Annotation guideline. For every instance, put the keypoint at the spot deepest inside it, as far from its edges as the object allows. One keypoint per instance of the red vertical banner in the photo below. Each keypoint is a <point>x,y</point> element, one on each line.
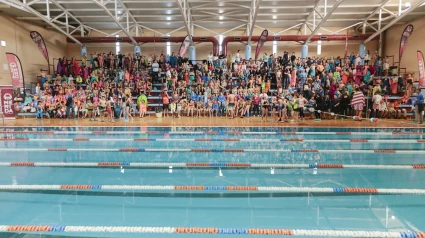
<point>6,101</point>
<point>183,47</point>
<point>421,69</point>
<point>15,68</point>
<point>260,43</point>
<point>39,41</point>
<point>408,30</point>
<point>346,45</point>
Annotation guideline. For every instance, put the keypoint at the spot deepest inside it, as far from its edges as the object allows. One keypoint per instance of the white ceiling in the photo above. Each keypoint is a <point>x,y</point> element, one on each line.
<point>210,14</point>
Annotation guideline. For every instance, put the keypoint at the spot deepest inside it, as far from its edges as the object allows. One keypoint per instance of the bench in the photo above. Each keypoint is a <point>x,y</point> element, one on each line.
<point>31,114</point>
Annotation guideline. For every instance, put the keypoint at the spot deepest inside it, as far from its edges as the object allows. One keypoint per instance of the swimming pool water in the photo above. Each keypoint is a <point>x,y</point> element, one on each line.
<point>226,209</point>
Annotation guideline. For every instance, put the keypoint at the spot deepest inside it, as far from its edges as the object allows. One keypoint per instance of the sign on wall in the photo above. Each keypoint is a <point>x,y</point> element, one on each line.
<point>6,101</point>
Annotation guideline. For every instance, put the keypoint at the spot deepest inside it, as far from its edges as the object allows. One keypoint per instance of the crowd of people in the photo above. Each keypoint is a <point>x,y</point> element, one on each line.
<point>283,88</point>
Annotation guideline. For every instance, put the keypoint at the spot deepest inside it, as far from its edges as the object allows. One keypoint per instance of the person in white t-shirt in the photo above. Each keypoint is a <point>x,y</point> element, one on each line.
<point>238,57</point>
<point>155,71</point>
<point>210,58</point>
<point>376,107</point>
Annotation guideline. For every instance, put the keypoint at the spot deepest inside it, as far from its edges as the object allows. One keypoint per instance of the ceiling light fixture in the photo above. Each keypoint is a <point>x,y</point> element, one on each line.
<point>407,5</point>
<point>221,17</point>
<point>274,16</point>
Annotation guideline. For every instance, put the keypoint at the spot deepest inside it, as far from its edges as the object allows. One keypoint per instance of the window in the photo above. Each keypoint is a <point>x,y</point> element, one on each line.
<point>220,40</point>
<point>168,48</point>
<point>3,43</point>
<point>117,46</point>
<point>319,46</point>
<point>274,47</point>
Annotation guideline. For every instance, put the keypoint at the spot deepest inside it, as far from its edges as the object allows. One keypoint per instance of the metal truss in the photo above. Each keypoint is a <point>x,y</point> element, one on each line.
<point>26,6</point>
<point>187,17</point>
<point>252,18</point>
<point>126,13</point>
<point>325,17</point>
<point>400,16</point>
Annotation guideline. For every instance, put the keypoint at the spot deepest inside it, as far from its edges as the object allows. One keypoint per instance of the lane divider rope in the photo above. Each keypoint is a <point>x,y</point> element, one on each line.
<point>208,165</point>
<point>209,230</point>
<point>208,150</point>
<point>213,140</point>
<point>212,133</point>
<point>390,191</point>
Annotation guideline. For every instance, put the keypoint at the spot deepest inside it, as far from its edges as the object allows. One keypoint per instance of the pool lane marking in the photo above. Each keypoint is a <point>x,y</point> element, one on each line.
<point>208,230</point>
<point>208,165</point>
<point>206,133</point>
<point>43,187</point>
<point>82,139</point>
<point>209,150</point>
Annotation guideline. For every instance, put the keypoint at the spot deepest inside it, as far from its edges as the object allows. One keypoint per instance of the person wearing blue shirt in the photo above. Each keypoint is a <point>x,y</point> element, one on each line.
<point>352,57</point>
<point>327,68</point>
<point>200,98</point>
<point>331,64</point>
<point>312,72</point>
<point>215,108</point>
<point>121,75</point>
<point>303,76</point>
<point>193,96</point>
<point>290,89</point>
<point>419,107</point>
<point>204,78</point>
<point>221,98</point>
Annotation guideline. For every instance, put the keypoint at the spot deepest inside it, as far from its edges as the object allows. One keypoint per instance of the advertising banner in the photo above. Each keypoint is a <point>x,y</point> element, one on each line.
<point>6,101</point>
<point>403,40</point>
<point>260,43</point>
<point>421,69</point>
<point>15,68</point>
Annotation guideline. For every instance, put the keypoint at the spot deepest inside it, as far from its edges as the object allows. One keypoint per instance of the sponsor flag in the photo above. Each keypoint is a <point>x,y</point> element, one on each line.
<point>6,101</point>
<point>183,47</point>
<point>39,41</point>
<point>421,69</point>
<point>346,45</point>
<point>260,43</point>
<point>15,68</point>
<point>408,30</point>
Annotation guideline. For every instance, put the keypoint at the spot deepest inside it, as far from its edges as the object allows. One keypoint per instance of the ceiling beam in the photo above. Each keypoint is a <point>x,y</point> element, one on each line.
<point>214,8</point>
<point>67,13</point>
<point>252,18</point>
<point>313,11</point>
<point>287,29</point>
<point>114,17</point>
<point>22,6</point>
<point>373,13</point>
<point>395,20</point>
<point>187,17</point>
<point>324,19</point>
<point>178,29</point>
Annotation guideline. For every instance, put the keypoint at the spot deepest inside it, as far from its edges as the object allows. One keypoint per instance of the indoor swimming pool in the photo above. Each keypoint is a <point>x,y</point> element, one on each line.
<point>197,182</point>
